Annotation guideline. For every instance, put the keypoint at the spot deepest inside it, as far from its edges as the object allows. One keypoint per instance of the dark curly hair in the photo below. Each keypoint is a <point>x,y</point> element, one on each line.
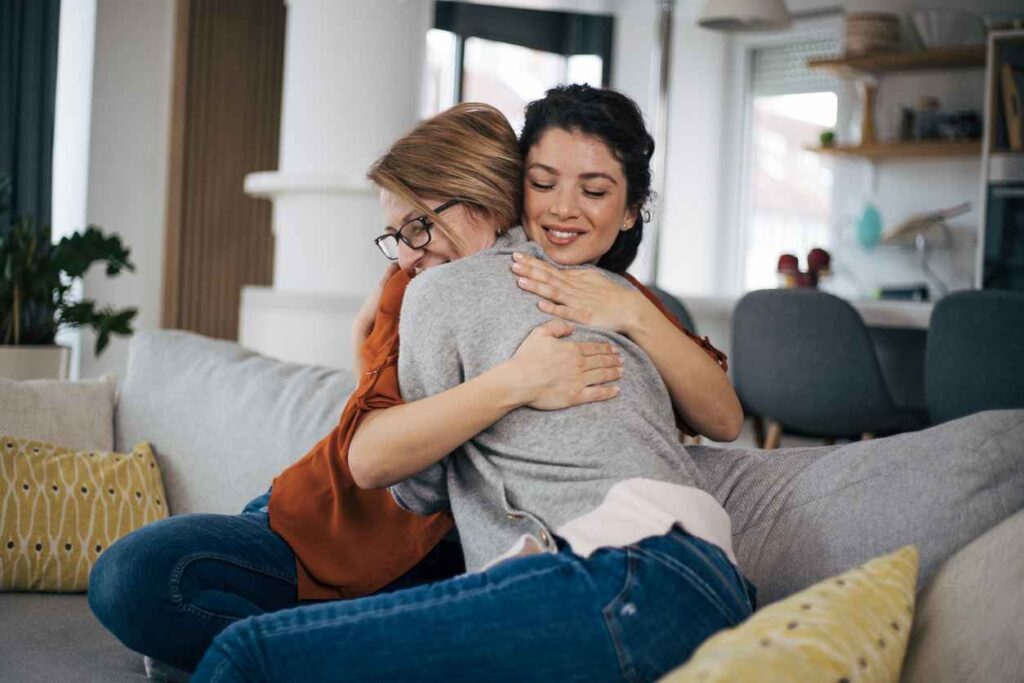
<point>616,120</point>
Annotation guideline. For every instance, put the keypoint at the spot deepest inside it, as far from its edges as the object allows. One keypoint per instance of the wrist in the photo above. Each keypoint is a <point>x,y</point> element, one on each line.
<point>639,317</point>
<point>513,389</point>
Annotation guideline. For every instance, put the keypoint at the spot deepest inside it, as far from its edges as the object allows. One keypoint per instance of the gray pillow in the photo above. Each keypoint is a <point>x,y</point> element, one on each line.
<point>802,515</point>
<point>223,421</point>
<point>76,415</point>
<point>969,621</point>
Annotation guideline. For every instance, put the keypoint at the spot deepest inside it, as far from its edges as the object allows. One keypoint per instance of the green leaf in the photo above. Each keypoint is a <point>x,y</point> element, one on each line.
<point>43,274</point>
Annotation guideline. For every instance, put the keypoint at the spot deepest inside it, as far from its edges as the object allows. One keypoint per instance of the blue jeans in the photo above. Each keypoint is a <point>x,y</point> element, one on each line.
<point>623,614</point>
<point>167,589</point>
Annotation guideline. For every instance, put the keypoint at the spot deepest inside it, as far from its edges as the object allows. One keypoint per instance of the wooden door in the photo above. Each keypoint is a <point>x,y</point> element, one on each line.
<point>225,123</point>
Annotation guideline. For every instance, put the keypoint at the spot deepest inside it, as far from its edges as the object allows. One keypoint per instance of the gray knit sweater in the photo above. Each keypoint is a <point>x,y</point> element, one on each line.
<point>533,470</point>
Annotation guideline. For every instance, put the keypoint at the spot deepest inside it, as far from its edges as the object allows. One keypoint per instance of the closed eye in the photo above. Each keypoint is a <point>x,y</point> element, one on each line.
<point>540,186</point>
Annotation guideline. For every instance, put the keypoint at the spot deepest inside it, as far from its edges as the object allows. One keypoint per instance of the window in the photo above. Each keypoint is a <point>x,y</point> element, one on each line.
<point>509,56</point>
<point>787,190</point>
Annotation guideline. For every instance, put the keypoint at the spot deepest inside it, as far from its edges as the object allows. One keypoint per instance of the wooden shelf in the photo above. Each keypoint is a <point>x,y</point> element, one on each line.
<point>972,57</point>
<point>904,150</point>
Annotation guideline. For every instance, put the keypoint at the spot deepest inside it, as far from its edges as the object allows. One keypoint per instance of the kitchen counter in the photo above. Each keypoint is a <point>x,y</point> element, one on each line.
<point>876,313</point>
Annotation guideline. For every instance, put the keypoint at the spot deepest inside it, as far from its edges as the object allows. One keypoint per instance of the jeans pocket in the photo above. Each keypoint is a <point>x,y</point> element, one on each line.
<point>663,612</point>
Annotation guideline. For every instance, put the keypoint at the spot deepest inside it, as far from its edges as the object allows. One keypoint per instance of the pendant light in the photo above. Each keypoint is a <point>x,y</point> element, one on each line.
<point>744,15</point>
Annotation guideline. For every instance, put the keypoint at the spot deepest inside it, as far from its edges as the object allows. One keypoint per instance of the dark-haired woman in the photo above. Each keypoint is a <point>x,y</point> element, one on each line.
<point>594,555</point>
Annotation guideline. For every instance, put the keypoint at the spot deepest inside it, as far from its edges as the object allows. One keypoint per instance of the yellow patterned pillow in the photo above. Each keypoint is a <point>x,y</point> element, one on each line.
<point>852,628</point>
<point>59,509</point>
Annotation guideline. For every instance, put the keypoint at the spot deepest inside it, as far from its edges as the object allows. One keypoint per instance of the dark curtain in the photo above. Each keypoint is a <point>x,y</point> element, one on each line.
<point>28,91</point>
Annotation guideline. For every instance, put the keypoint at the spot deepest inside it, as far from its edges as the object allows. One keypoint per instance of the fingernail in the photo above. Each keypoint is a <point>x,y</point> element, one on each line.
<point>621,362</point>
<point>522,280</point>
<point>516,267</point>
<point>517,256</point>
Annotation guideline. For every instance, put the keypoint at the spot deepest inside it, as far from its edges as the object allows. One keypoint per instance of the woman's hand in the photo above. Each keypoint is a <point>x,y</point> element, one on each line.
<point>556,373</point>
<point>585,295</point>
<point>363,323</point>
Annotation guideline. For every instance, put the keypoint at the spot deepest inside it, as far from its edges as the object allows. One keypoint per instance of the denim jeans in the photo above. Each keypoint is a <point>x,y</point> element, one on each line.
<point>623,614</point>
<point>167,589</point>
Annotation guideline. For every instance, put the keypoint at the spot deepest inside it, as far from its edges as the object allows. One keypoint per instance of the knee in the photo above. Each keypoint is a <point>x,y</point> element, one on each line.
<point>220,663</point>
<point>123,582</point>
<point>108,583</point>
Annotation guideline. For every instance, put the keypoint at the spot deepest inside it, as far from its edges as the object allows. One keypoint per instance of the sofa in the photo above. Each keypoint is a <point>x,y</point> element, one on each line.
<point>223,421</point>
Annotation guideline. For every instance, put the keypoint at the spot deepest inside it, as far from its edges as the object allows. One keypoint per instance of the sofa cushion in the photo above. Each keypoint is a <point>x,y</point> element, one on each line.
<point>223,421</point>
<point>66,507</point>
<point>800,515</point>
<point>52,637</point>
<point>79,415</point>
<point>970,617</point>
<point>849,627</point>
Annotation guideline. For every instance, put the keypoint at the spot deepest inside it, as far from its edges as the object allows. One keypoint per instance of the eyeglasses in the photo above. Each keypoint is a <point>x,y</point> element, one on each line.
<point>415,232</point>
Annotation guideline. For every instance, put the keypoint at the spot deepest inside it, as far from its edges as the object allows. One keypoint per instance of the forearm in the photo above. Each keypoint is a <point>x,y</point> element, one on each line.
<point>396,443</point>
<point>359,334</point>
<point>700,390</point>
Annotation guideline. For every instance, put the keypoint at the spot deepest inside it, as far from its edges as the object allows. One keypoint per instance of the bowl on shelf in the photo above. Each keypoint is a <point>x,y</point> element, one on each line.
<point>948,28</point>
<point>870,32</point>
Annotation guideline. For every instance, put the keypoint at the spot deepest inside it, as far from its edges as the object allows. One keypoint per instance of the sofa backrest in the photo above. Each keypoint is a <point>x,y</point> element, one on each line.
<point>222,420</point>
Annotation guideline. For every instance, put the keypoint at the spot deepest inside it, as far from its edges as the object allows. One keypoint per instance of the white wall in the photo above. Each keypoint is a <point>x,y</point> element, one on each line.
<point>691,227</point>
<point>128,163</point>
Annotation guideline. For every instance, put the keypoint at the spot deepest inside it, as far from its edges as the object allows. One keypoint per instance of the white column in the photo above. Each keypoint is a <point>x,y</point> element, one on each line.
<point>352,74</point>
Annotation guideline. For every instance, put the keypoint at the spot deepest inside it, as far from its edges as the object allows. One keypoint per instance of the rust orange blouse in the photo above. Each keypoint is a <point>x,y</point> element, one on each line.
<point>351,542</point>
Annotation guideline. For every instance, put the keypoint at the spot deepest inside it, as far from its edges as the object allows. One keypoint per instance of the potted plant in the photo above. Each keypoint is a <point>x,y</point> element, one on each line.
<point>36,279</point>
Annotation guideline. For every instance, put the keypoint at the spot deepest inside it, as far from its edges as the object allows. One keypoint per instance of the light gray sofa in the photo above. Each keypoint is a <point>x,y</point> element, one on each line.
<point>224,421</point>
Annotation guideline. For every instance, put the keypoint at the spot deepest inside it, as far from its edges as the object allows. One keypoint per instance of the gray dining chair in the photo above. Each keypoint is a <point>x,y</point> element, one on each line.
<point>974,359</point>
<point>804,361</point>
<point>676,307</point>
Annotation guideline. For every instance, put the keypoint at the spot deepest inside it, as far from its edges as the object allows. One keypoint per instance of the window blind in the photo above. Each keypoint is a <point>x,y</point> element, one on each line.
<point>782,69</point>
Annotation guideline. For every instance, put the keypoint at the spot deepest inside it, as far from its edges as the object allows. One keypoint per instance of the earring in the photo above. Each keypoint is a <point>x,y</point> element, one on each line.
<point>624,228</point>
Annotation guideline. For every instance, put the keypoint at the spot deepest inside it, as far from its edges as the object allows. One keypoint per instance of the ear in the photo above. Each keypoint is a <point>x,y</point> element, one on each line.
<point>629,220</point>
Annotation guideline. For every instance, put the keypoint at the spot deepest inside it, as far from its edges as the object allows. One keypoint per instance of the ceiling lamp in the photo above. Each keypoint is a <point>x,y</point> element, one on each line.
<point>744,15</point>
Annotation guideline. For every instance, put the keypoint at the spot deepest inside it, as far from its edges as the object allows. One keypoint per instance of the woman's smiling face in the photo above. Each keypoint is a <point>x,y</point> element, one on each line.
<point>574,196</point>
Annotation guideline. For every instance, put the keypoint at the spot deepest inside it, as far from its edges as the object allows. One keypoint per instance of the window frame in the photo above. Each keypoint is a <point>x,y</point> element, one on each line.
<point>556,31</point>
<point>730,273</point>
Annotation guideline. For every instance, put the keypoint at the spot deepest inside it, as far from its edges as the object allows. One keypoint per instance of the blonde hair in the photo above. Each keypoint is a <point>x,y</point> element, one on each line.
<point>469,152</point>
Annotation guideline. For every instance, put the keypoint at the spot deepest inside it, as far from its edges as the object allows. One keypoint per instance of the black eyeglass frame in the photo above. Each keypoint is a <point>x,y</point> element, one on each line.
<point>425,223</point>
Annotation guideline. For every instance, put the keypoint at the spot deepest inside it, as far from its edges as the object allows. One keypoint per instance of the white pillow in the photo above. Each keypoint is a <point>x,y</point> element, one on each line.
<point>77,415</point>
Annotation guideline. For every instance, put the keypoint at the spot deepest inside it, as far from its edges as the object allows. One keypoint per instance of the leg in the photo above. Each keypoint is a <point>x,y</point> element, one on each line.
<point>622,614</point>
<point>443,562</point>
<point>168,588</point>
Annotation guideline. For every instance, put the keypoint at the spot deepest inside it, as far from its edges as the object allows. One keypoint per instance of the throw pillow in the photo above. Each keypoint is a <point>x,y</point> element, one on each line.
<point>78,415</point>
<point>851,627</point>
<point>59,509</point>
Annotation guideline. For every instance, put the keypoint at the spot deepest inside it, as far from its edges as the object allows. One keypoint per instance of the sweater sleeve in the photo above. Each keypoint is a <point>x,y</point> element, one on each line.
<point>428,363</point>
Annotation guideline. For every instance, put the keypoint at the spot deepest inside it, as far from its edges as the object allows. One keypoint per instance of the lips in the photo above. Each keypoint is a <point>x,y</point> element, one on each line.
<point>562,236</point>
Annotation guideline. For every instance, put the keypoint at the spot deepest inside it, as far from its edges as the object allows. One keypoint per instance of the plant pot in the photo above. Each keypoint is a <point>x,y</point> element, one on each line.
<point>34,362</point>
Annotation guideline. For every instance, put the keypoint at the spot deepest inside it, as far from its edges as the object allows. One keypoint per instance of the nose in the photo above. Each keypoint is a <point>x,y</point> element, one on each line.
<point>563,203</point>
<point>407,256</point>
